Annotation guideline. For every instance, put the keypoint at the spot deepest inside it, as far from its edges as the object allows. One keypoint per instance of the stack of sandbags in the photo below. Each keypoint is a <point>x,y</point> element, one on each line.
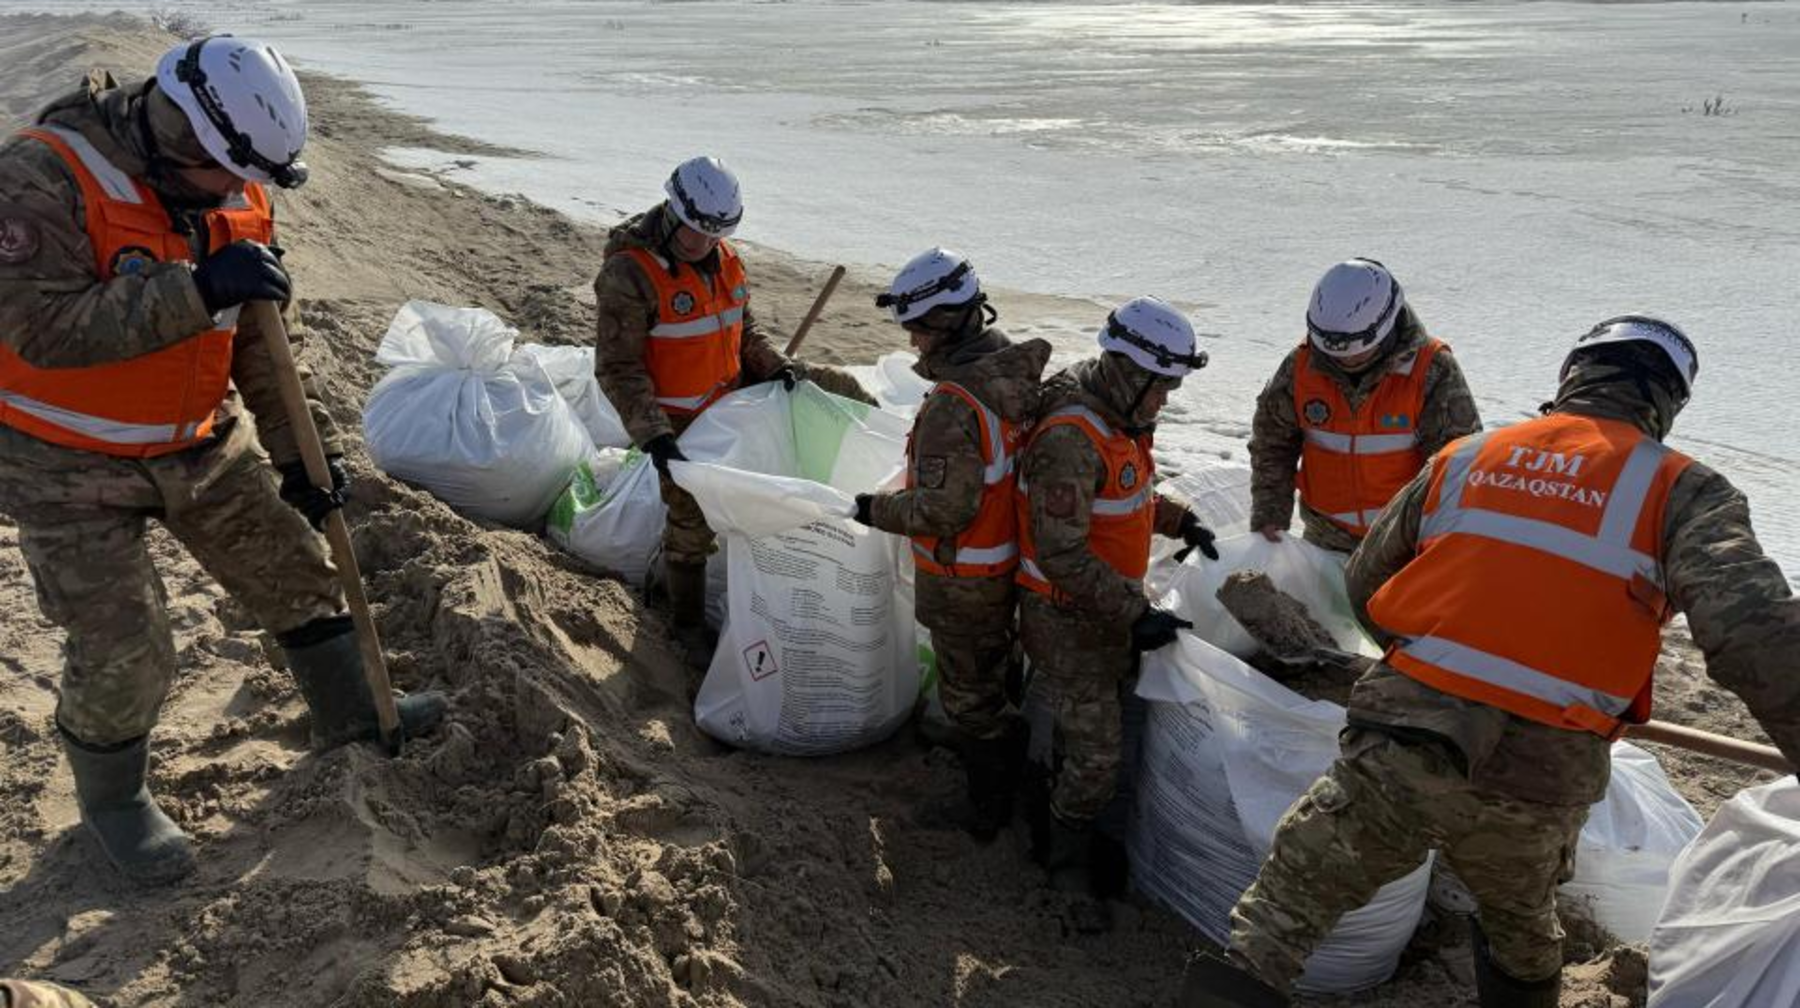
<point>481,425</point>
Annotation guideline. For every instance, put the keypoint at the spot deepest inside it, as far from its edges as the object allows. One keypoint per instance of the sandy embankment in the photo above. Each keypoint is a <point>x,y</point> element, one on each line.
<point>570,838</point>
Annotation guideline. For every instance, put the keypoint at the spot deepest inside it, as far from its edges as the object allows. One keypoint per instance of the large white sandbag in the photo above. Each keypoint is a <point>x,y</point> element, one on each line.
<point>611,514</point>
<point>897,388</point>
<point>1729,932</point>
<point>818,654</point>
<point>1631,838</point>
<point>1226,752</point>
<point>572,369</point>
<point>1313,576</point>
<point>483,430</point>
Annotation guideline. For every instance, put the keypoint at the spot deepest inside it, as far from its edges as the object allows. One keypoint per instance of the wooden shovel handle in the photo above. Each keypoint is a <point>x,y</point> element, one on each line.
<point>337,532</point>
<point>1711,744</point>
<point>812,314</point>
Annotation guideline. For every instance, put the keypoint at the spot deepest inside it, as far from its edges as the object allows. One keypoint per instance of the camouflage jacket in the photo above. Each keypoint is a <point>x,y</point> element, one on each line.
<point>1740,609</point>
<point>947,476</point>
<point>1064,473</point>
<point>55,312</point>
<point>627,310</point>
<point>1276,437</point>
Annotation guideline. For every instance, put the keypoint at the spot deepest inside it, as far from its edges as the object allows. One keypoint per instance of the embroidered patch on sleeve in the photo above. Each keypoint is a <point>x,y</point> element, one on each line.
<point>931,471</point>
<point>18,240</point>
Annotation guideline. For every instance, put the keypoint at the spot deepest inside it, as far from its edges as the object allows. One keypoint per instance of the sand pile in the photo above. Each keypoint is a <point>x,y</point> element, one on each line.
<point>569,838</point>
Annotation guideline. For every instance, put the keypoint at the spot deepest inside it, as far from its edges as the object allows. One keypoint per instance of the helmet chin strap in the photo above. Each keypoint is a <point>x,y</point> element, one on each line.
<point>1135,429</point>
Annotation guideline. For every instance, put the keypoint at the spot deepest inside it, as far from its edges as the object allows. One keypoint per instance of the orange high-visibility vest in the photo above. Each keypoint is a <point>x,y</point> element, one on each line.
<point>989,545</point>
<point>1537,587</point>
<point>1355,461</point>
<point>693,350</point>
<point>1123,515</point>
<point>152,404</point>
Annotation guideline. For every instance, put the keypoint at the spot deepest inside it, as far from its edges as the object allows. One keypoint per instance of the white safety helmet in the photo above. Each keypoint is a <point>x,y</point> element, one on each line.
<point>930,280</point>
<point>1353,309</point>
<point>1155,336</point>
<point>704,195</point>
<point>244,104</point>
<point>1643,329</point>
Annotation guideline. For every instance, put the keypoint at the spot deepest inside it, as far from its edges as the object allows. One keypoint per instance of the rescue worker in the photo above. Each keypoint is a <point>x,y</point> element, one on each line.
<point>134,226</point>
<point>1354,411</point>
<point>675,334</point>
<point>1520,583</point>
<point>958,508</point>
<point>1088,506</point>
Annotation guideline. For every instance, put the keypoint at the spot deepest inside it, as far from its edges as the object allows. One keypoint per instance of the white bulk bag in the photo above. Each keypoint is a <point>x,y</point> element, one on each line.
<point>1312,576</point>
<point>897,388</point>
<point>572,369</point>
<point>818,653</point>
<point>611,514</point>
<point>1226,752</point>
<point>1631,838</point>
<point>461,416</point>
<point>1729,933</point>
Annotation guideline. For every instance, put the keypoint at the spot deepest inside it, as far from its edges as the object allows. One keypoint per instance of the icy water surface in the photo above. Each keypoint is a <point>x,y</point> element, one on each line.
<point>1526,169</point>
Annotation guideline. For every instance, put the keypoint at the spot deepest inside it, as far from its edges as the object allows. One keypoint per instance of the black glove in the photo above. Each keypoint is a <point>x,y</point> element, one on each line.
<point>298,491</point>
<point>662,450</point>
<point>789,375</point>
<point>1156,628</point>
<point>1197,536</point>
<point>865,510</point>
<point>239,272</point>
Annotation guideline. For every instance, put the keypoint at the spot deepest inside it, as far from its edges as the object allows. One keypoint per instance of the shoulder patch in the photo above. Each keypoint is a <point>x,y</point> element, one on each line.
<point>931,471</point>
<point>1128,476</point>
<point>19,240</point>
<point>1059,500</point>
<point>1317,412</point>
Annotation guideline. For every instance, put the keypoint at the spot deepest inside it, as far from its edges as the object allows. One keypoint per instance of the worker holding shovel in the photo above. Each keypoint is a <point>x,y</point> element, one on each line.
<point>675,334</point>
<point>1520,583</point>
<point>135,234</point>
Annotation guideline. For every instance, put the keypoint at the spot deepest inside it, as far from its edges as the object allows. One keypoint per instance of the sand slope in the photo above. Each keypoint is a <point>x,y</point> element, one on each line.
<point>569,838</point>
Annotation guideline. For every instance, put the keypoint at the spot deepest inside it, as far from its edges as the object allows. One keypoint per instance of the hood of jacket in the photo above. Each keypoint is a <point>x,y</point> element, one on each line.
<point>1007,376</point>
<point>1608,386</point>
<point>123,122</point>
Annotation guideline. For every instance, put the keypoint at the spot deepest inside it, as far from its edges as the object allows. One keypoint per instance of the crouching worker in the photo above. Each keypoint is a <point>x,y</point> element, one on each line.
<point>1353,412</point>
<point>675,335</point>
<point>1520,583</point>
<point>958,508</point>
<point>1087,508</point>
<point>134,227</point>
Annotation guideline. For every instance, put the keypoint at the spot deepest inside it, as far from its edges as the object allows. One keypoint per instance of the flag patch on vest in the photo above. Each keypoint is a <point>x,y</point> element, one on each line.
<point>682,303</point>
<point>18,240</point>
<point>1318,412</point>
<point>1396,421</point>
<point>132,259</point>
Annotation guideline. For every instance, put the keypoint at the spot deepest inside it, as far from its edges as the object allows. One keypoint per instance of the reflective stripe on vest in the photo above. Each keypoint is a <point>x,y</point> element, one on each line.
<point>1353,460</point>
<point>1537,585</point>
<point>696,328</point>
<point>1119,527</point>
<point>988,546</point>
<point>158,402</point>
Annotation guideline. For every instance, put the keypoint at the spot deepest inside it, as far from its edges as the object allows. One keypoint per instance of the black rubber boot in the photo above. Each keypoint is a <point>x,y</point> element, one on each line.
<point>1212,981</point>
<point>686,583</point>
<point>1067,858</point>
<point>994,767</point>
<point>1496,988</point>
<point>327,664</point>
<point>141,841</point>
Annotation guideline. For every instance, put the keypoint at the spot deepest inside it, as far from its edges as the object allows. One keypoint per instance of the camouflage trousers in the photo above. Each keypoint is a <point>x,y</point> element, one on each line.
<point>1370,820</point>
<point>972,627</point>
<point>687,539</point>
<point>1081,665</point>
<point>82,519</point>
